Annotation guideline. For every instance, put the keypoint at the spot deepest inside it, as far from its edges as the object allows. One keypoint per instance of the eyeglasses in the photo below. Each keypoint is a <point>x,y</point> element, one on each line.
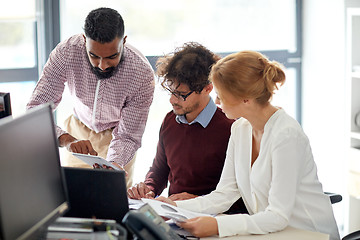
<point>177,94</point>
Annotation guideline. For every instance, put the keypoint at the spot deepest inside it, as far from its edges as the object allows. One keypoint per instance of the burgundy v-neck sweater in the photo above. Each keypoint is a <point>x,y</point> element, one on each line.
<point>190,157</point>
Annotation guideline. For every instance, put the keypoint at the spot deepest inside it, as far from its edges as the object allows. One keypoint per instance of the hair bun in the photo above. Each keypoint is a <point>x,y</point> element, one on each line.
<point>272,74</point>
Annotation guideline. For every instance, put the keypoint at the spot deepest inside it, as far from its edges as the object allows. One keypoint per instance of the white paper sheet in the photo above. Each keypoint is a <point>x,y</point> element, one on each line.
<point>172,212</point>
<point>91,160</point>
<point>135,204</point>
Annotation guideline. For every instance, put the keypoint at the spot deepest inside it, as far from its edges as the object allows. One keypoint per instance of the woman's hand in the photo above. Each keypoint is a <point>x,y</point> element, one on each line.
<point>201,226</point>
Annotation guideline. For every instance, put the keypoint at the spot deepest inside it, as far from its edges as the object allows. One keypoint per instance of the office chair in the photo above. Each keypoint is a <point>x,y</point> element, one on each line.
<point>334,197</point>
<point>352,236</point>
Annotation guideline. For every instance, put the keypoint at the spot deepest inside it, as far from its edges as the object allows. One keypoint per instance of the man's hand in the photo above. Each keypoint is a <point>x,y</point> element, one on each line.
<point>96,165</point>
<point>139,191</point>
<point>182,196</point>
<point>77,146</point>
<point>201,226</point>
<point>166,200</point>
<point>117,165</point>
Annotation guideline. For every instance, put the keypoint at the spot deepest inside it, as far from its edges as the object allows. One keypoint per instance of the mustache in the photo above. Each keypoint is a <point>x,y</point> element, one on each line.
<point>103,71</point>
<point>103,74</point>
<point>108,72</point>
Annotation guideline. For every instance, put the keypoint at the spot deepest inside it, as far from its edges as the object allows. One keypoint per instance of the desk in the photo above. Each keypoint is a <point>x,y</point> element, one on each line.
<point>288,233</point>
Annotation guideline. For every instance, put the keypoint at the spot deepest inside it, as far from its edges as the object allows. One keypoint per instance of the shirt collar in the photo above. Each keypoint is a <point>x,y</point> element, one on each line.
<point>203,118</point>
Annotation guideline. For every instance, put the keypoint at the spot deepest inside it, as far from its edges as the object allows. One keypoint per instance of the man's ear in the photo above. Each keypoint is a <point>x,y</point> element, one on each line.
<point>84,37</point>
<point>208,88</point>
<point>124,41</point>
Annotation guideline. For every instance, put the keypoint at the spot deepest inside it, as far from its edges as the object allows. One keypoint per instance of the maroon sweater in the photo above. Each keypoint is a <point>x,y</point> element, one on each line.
<point>190,157</point>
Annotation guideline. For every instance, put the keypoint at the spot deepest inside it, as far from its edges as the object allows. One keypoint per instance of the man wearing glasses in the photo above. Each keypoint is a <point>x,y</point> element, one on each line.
<point>193,137</point>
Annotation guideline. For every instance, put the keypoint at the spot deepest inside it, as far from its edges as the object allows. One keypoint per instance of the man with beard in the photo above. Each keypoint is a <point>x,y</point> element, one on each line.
<point>193,137</point>
<point>111,84</point>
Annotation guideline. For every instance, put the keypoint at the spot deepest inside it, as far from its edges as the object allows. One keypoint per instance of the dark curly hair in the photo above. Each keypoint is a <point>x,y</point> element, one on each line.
<point>104,25</point>
<point>189,64</point>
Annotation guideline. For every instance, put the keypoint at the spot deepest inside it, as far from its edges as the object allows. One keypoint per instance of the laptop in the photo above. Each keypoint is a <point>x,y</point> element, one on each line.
<point>96,193</point>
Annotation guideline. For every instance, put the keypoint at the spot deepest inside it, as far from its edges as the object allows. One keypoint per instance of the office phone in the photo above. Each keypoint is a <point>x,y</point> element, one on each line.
<point>146,224</point>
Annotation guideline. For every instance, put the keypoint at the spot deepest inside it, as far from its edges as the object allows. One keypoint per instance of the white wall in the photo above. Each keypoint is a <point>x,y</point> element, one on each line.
<point>324,93</point>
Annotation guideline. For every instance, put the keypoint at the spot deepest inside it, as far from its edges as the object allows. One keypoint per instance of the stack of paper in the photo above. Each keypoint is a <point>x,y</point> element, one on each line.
<point>172,212</point>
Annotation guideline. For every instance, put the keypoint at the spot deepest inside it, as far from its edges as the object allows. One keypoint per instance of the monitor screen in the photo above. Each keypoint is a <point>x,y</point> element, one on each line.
<point>5,105</point>
<point>32,192</point>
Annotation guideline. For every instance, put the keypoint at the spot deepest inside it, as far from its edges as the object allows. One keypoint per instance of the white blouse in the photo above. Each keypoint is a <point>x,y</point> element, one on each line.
<point>281,188</point>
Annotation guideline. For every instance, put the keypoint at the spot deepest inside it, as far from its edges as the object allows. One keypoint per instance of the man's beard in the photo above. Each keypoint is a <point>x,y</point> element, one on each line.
<point>186,110</point>
<point>109,72</point>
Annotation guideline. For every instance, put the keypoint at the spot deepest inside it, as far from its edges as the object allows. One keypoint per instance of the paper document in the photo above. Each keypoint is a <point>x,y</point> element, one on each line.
<point>135,204</point>
<point>169,211</point>
<point>91,160</point>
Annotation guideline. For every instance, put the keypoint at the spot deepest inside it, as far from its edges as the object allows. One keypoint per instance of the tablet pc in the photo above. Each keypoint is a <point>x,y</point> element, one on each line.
<point>91,160</point>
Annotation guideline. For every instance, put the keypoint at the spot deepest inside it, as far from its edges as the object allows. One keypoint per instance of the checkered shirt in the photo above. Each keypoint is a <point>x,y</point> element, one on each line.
<point>121,102</point>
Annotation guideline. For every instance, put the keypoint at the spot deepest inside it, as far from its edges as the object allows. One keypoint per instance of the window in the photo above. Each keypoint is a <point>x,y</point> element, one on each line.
<point>17,41</point>
<point>224,26</point>
<point>18,64</point>
<point>20,93</point>
<point>155,28</point>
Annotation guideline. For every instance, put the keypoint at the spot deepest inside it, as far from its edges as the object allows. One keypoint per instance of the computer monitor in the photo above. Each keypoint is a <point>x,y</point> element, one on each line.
<point>5,105</point>
<point>32,192</point>
<point>96,193</point>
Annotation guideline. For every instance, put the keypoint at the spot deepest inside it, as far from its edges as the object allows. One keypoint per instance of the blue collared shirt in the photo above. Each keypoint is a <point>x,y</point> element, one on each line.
<point>203,118</point>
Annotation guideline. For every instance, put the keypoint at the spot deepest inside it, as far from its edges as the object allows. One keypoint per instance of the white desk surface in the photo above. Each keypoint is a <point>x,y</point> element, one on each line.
<point>287,234</point>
